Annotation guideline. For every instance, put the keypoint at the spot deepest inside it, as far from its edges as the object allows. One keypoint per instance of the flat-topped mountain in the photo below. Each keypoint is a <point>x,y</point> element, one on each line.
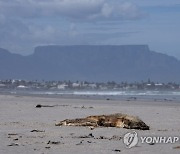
<point>92,63</point>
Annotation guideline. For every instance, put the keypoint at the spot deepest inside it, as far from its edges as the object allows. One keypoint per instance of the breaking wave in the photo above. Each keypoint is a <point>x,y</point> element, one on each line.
<point>103,93</point>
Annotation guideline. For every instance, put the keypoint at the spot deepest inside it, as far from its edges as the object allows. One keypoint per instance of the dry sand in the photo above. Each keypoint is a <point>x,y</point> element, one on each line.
<point>26,129</point>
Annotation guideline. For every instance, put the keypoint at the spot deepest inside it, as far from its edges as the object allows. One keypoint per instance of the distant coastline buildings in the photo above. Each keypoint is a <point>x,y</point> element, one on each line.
<point>64,85</point>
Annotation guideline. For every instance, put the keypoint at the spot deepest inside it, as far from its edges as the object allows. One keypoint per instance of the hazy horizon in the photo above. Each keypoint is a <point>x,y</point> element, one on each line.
<point>27,24</point>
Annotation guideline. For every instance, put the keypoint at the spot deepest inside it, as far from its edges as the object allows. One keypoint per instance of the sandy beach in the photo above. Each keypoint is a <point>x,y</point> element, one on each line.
<point>27,129</point>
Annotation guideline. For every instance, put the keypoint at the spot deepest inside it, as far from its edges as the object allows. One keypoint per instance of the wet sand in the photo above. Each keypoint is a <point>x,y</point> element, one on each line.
<point>27,129</point>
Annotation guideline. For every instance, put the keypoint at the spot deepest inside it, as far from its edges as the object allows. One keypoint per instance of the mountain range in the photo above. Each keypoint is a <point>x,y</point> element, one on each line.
<point>97,63</point>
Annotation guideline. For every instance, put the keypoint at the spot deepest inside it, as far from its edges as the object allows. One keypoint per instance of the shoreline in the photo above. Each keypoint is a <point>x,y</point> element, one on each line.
<point>141,98</point>
<point>27,129</point>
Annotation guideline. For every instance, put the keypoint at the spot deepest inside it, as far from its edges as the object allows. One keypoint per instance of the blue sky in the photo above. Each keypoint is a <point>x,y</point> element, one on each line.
<point>25,24</point>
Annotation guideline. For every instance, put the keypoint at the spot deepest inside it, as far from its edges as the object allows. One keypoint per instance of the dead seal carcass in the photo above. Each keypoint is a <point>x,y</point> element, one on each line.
<point>112,120</point>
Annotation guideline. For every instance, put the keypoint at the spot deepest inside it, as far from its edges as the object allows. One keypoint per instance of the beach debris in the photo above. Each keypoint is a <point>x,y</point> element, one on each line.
<point>115,137</point>
<point>12,134</point>
<point>39,105</point>
<point>36,130</point>
<point>47,147</point>
<point>90,135</point>
<point>118,120</point>
<point>83,107</point>
<point>162,130</point>
<point>16,139</point>
<point>85,136</point>
<point>54,142</point>
<point>102,137</point>
<point>81,142</point>
<point>152,143</point>
<point>131,99</point>
<point>116,150</point>
<point>13,144</point>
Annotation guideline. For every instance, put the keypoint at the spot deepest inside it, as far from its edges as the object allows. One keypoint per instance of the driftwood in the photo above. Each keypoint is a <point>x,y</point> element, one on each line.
<point>39,105</point>
<point>113,120</point>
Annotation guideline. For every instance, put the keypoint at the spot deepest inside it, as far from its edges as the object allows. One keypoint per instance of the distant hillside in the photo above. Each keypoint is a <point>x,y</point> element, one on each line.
<point>93,63</point>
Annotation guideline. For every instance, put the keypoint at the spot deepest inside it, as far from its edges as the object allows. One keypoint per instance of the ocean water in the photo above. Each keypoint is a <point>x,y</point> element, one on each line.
<point>171,95</point>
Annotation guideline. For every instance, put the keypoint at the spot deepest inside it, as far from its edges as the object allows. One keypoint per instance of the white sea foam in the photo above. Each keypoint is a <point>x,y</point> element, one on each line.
<point>116,94</point>
<point>109,93</point>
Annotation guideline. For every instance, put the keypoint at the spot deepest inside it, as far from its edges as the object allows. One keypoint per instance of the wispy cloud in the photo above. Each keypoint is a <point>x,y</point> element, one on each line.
<point>25,24</point>
<point>74,9</point>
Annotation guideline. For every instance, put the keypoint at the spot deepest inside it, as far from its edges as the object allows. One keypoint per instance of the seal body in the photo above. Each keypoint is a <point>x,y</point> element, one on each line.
<point>112,120</point>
